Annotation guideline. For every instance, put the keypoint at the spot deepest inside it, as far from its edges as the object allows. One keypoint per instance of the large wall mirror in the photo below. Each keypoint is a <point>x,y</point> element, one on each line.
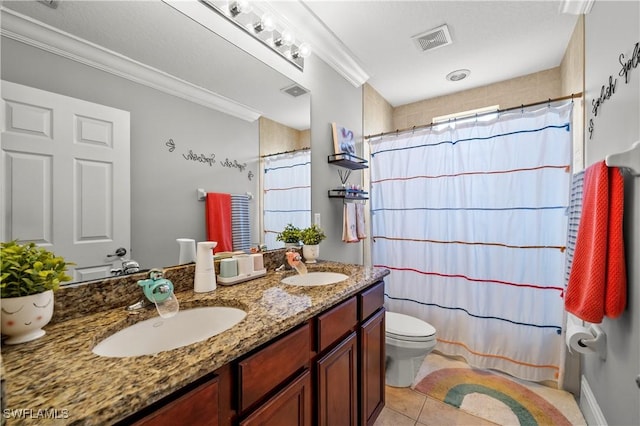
<point>167,71</point>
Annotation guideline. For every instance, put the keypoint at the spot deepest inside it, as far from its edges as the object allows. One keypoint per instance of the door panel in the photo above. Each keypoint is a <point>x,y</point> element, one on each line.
<point>66,184</point>
<point>30,217</point>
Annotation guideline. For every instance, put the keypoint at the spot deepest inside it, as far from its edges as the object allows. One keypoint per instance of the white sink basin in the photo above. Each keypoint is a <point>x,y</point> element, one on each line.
<point>315,278</point>
<point>157,334</point>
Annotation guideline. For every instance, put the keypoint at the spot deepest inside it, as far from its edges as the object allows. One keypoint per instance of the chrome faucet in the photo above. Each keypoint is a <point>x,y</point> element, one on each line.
<point>128,267</point>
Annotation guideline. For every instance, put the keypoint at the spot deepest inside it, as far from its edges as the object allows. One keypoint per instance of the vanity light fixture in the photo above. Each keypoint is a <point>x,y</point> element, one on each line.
<point>264,27</point>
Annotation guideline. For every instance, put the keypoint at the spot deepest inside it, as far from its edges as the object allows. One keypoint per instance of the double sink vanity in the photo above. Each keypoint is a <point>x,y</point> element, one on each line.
<point>294,354</point>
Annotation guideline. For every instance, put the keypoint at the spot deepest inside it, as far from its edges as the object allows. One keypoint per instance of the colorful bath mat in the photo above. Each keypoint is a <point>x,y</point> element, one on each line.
<point>495,397</point>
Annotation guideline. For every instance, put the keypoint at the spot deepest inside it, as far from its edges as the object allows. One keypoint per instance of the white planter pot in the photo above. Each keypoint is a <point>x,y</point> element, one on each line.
<point>310,253</point>
<point>23,317</point>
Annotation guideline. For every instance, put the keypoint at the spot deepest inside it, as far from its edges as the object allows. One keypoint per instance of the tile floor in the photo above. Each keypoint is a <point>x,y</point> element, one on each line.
<point>406,407</point>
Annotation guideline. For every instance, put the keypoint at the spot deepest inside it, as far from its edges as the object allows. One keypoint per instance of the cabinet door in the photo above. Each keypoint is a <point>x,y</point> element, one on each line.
<point>196,407</point>
<point>290,407</point>
<point>337,385</point>
<point>372,368</point>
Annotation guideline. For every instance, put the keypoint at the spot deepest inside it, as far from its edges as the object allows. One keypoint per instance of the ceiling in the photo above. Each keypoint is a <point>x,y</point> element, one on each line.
<point>496,40</point>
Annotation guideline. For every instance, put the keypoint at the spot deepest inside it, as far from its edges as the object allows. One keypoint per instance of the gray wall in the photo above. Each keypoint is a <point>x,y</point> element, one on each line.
<point>333,99</point>
<point>611,29</point>
<point>163,189</point>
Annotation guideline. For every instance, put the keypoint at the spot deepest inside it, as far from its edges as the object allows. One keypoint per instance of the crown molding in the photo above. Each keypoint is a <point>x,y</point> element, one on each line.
<point>576,7</point>
<point>324,43</point>
<point>29,31</point>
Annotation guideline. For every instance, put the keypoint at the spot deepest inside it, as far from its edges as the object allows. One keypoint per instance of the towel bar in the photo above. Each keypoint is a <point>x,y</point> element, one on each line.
<point>629,159</point>
<point>202,194</point>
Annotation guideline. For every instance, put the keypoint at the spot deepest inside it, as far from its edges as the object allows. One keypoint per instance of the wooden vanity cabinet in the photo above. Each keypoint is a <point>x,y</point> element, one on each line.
<point>345,381</point>
<point>327,371</point>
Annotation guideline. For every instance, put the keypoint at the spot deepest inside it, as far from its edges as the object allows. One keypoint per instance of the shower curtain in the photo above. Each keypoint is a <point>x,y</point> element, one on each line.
<point>286,194</point>
<point>470,217</point>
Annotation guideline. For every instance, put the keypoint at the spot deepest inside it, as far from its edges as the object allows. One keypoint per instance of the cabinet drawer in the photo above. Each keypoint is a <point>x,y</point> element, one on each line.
<point>271,366</point>
<point>196,407</point>
<point>371,300</point>
<point>291,406</point>
<point>336,323</point>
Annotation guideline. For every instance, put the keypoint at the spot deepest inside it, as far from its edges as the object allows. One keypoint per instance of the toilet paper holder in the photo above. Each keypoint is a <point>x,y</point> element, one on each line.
<point>598,343</point>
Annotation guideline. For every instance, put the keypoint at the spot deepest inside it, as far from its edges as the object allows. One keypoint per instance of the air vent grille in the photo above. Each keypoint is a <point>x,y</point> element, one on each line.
<point>433,39</point>
<point>295,90</point>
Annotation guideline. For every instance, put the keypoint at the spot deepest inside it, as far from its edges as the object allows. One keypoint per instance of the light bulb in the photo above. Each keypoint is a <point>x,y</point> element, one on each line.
<point>304,50</point>
<point>287,38</point>
<point>265,24</point>
<point>268,24</point>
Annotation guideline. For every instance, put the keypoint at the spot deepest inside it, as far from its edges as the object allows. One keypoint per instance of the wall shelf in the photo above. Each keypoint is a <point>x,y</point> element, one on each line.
<point>349,194</point>
<point>348,161</point>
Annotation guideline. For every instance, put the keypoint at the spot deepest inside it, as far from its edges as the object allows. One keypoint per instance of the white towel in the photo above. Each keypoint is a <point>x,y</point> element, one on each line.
<point>349,232</point>
<point>361,230</point>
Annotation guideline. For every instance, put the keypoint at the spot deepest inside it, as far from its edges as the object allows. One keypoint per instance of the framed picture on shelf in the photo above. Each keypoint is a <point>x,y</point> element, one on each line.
<point>343,140</point>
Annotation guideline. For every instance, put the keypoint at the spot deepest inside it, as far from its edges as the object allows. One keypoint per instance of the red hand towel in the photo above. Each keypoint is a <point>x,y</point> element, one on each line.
<point>218,219</point>
<point>598,280</point>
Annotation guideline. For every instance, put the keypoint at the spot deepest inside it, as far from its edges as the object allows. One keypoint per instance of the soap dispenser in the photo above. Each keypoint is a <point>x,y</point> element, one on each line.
<point>205,277</point>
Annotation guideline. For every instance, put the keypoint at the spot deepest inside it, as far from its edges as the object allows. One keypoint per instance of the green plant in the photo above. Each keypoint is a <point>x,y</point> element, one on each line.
<point>290,234</point>
<point>28,269</point>
<point>312,235</point>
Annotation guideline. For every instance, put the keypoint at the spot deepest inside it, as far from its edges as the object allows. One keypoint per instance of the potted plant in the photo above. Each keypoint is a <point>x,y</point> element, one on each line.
<point>290,236</point>
<point>28,278</point>
<point>311,238</point>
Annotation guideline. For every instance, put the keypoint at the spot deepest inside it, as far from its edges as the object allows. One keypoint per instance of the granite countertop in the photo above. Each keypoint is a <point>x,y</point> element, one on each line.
<point>60,373</point>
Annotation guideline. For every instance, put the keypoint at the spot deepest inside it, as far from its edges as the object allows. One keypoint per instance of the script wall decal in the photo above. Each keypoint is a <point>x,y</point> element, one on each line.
<point>628,64</point>
<point>209,159</point>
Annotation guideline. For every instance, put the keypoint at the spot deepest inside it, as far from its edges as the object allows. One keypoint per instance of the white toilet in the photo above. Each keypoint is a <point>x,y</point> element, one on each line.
<point>408,341</point>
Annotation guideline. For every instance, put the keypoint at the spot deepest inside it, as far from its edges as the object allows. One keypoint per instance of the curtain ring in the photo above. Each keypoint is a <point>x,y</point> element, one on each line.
<point>549,103</point>
<point>413,130</point>
<point>521,108</point>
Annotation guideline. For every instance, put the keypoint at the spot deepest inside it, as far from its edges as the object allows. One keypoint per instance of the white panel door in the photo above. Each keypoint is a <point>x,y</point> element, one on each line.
<point>65,182</point>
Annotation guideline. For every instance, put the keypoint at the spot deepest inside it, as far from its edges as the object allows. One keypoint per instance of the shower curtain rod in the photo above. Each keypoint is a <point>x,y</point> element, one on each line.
<point>426,126</point>
<point>285,152</point>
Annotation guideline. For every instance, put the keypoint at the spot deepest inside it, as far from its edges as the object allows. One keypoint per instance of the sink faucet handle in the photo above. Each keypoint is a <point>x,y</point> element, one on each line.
<point>156,274</point>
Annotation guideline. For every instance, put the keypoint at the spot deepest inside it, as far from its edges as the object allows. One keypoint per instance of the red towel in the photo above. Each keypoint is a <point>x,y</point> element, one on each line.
<point>598,280</point>
<point>218,219</point>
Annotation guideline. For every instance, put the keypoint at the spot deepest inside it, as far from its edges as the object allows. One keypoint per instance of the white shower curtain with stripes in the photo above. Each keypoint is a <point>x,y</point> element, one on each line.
<point>471,220</point>
<point>286,194</point>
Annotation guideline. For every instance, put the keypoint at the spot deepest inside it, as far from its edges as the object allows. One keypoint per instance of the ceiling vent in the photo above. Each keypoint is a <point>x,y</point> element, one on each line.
<point>295,90</point>
<point>433,39</point>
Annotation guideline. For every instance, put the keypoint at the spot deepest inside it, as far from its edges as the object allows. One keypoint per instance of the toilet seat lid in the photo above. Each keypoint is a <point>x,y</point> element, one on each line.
<point>405,325</point>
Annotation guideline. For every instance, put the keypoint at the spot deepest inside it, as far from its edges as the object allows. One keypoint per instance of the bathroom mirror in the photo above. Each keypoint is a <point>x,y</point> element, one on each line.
<point>174,136</point>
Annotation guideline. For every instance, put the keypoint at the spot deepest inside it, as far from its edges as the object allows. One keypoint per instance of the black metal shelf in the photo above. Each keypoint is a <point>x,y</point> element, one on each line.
<point>348,161</point>
<point>349,194</point>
